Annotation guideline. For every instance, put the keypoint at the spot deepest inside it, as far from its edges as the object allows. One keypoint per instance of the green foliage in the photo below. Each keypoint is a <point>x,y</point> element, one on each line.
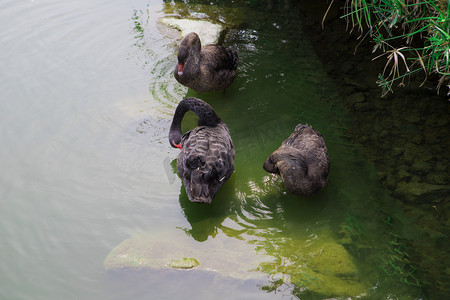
<point>414,35</point>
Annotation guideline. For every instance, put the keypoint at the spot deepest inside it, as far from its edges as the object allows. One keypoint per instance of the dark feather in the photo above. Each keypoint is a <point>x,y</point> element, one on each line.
<point>302,161</point>
<point>206,69</point>
<point>206,160</point>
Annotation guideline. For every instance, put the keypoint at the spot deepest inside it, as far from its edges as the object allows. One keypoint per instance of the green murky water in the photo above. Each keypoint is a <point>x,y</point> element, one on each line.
<point>87,103</point>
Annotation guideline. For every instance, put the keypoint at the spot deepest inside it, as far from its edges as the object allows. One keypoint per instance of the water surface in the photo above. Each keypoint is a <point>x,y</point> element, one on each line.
<point>87,98</point>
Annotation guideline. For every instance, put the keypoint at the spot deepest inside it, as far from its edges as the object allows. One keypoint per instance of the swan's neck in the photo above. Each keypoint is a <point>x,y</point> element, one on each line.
<point>204,111</point>
<point>194,52</point>
<point>189,50</point>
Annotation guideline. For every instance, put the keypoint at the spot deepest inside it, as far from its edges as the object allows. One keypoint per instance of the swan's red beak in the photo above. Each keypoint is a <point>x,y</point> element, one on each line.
<point>177,145</point>
<point>180,69</point>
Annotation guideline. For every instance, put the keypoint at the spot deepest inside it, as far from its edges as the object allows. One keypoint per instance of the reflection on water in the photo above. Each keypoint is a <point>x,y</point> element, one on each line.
<point>87,163</point>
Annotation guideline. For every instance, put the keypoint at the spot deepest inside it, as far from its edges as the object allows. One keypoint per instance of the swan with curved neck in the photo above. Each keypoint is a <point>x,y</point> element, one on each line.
<point>302,161</point>
<point>205,69</point>
<point>206,160</point>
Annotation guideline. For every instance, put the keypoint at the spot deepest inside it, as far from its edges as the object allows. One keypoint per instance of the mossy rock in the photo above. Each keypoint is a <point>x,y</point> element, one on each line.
<point>330,286</point>
<point>208,32</point>
<point>228,257</point>
<point>230,17</point>
<point>334,271</point>
<point>420,191</point>
<point>210,22</point>
<point>320,266</point>
<point>184,263</point>
<point>332,259</point>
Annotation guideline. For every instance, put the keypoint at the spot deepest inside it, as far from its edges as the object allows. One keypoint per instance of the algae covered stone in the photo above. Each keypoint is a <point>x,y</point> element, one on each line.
<point>183,263</point>
<point>208,32</point>
<point>333,259</point>
<point>333,271</point>
<point>175,250</point>
<point>210,22</point>
<point>320,265</point>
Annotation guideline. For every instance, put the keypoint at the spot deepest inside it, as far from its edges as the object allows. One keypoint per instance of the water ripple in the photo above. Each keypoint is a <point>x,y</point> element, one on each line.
<point>157,55</point>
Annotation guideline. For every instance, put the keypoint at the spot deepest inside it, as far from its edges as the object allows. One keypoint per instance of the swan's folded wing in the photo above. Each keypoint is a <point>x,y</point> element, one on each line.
<point>219,58</point>
<point>206,162</point>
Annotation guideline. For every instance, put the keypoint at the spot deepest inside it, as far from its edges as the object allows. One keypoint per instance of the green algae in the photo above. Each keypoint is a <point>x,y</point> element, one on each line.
<point>320,266</point>
<point>184,263</point>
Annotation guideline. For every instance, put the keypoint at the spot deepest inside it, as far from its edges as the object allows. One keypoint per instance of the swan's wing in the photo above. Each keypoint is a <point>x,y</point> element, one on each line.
<point>206,161</point>
<point>305,139</point>
<point>310,146</point>
<point>219,58</point>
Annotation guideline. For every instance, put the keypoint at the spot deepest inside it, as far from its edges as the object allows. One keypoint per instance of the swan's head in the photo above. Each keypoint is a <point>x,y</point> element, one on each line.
<point>202,180</point>
<point>174,144</point>
<point>282,161</point>
<point>293,170</point>
<point>190,46</point>
<point>271,164</point>
<point>175,137</point>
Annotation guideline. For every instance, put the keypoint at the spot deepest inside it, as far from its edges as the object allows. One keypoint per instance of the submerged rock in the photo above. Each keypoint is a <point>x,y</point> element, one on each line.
<point>403,174</point>
<point>208,32</point>
<point>210,22</point>
<point>355,98</point>
<point>412,116</point>
<point>334,271</point>
<point>421,167</point>
<point>439,178</point>
<point>183,263</point>
<point>333,259</point>
<point>320,266</point>
<point>363,106</point>
<point>147,252</point>
<point>420,191</point>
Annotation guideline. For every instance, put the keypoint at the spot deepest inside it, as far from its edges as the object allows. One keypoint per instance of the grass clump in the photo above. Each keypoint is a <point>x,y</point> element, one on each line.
<point>413,36</point>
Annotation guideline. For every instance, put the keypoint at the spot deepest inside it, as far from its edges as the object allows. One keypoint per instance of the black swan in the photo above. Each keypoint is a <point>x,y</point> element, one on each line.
<point>207,154</point>
<point>302,161</point>
<point>207,69</point>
